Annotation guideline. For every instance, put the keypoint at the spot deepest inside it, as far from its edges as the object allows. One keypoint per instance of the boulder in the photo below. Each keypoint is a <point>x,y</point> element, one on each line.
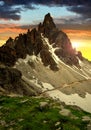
<point>65,112</point>
<point>43,105</point>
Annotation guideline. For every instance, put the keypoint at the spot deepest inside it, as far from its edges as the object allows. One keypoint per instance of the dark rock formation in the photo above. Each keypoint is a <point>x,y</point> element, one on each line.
<point>11,81</point>
<point>48,60</point>
<point>10,42</point>
<point>79,54</point>
<point>20,46</point>
<point>7,55</point>
<point>60,40</point>
<point>9,75</point>
<point>28,43</point>
<point>9,78</point>
<point>48,28</point>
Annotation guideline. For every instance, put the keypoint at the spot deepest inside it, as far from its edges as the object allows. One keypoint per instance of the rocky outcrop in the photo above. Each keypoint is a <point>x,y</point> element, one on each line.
<point>11,82</point>
<point>9,75</point>
<point>48,60</point>
<point>20,45</point>
<point>48,25</point>
<point>48,28</point>
<point>7,55</point>
<point>10,79</point>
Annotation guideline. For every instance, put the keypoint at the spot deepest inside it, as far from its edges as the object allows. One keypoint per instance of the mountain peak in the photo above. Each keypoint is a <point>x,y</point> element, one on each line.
<point>48,21</point>
<point>48,15</point>
<point>47,26</point>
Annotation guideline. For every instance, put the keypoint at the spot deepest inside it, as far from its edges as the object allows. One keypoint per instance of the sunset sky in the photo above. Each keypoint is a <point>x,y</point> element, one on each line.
<point>71,16</point>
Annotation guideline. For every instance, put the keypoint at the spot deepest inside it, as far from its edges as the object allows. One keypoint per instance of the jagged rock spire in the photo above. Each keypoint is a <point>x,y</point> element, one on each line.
<point>48,21</point>
<point>47,26</point>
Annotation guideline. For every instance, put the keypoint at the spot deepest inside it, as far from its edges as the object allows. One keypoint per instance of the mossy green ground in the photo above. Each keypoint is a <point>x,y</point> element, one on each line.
<point>24,113</point>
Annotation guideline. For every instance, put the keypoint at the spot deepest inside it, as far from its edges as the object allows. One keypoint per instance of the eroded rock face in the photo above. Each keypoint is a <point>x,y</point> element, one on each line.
<point>7,55</point>
<point>11,82</point>
<point>48,28</point>
<point>48,60</point>
<point>10,78</point>
<point>9,75</point>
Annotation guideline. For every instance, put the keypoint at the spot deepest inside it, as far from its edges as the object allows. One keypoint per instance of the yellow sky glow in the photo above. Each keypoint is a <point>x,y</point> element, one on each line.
<point>84,46</point>
<point>81,40</point>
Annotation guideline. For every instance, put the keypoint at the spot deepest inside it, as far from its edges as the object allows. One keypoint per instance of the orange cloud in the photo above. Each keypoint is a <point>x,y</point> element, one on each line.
<point>78,34</point>
<point>7,30</point>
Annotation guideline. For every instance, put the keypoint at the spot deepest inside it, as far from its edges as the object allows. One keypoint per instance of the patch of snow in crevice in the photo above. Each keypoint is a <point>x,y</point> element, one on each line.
<point>47,86</point>
<point>78,72</point>
<point>85,73</point>
<point>74,67</point>
<point>28,58</point>
<point>82,71</point>
<point>84,65</point>
<point>31,58</point>
<point>80,62</point>
<point>39,58</point>
<point>48,67</point>
<point>33,81</point>
<point>14,66</point>
<point>17,63</point>
<point>51,49</point>
<point>85,68</point>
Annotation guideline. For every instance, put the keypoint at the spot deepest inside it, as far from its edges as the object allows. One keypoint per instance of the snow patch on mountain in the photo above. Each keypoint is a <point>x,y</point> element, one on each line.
<point>51,49</point>
<point>73,99</point>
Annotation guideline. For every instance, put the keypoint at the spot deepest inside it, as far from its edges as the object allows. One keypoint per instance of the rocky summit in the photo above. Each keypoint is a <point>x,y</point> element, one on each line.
<point>43,62</point>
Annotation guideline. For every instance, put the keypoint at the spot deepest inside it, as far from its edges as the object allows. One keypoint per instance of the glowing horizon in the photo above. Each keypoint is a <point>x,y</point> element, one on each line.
<point>82,46</point>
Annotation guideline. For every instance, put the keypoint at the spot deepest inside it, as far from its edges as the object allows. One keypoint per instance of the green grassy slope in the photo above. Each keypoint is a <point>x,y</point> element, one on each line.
<point>27,113</point>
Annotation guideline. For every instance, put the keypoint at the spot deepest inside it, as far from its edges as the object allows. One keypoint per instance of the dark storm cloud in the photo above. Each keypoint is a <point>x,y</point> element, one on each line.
<point>82,10</point>
<point>72,22</point>
<point>8,13</point>
<point>8,10</point>
<point>11,9</point>
<point>50,2</point>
